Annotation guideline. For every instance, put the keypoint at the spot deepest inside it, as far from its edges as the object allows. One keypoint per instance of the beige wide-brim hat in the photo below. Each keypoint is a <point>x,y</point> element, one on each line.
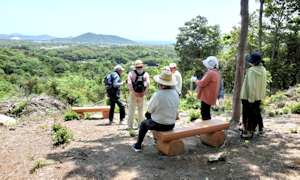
<point>139,63</point>
<point>165,78</point>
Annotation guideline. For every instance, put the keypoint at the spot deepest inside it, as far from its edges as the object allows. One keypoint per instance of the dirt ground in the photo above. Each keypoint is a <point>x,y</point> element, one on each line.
<point>102,151</point>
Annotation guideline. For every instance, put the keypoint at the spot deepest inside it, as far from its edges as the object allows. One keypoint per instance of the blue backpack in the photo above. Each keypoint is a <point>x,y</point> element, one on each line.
<point>108,81</point>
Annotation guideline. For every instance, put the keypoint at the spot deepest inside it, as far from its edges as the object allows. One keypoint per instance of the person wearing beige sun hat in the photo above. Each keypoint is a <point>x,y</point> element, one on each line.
<point>162,109</point>
<point>138,84</point>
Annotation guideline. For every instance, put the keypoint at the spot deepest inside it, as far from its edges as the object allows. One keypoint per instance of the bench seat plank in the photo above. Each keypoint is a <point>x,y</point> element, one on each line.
<point>91,109</point>
<point>191,129</point>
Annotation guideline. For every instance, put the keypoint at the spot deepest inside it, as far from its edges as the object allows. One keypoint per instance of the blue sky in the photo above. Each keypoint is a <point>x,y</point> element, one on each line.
<point>156,20</point>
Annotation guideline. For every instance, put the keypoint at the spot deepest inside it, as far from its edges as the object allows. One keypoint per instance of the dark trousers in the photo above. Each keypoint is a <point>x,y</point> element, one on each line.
<point>255,105</point>
<point>113,100</point>
<point>148,124</point>
<point>205,111</point>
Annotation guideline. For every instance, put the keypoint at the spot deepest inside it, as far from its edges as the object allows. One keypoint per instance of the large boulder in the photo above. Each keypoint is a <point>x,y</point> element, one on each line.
<point>7,121</point>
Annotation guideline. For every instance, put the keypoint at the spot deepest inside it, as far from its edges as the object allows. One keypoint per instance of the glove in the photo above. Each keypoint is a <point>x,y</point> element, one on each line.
<point>193,78</point>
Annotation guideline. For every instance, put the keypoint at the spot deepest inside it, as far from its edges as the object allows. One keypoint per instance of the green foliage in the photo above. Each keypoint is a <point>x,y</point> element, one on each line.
<point>276,97</point>
<point>246,143</point>
<point>296,108</point>
<point>271,114</point>
<point>227,104</point>
<point>286,110</point>
<point>132,133</point>
<point>61,134</point>
<point>195,114</point>
<point>19,107</point>
<point>38,165</point>
<point>294,129</point>
<point>190,102</point>
<point>69,115</point>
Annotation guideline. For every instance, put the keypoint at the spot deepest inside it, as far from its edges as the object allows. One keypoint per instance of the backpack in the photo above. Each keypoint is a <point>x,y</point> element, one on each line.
<point>108,81</point>
<point>138,84</point>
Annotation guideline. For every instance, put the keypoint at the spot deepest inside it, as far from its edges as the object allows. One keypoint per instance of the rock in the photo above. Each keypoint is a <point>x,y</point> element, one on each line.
<point>7,121</point>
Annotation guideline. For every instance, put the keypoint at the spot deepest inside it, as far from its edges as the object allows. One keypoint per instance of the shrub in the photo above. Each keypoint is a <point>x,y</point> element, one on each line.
<point>61,134</point>
<point>190,102</point>
<point>71,115</point>
<point>277,97</point>
<point>195,114</point>
<point>271,114</point>
<point>294,129</point>
<point>286,110</point>
<point>132,132</point>
<point>38,165</point>
<point>19,107</point>
<point>227,104</point>
<point>296,108</point>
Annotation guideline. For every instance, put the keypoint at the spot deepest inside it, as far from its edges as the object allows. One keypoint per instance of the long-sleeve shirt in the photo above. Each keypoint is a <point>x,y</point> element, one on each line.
<point>116,83</point>
<point>209,87</point>
<point>163,106</point>
<point>178,77</point>
<point>131,78</point>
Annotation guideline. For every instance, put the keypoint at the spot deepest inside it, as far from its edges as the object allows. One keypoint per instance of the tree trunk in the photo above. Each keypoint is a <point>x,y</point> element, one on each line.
<point>260,25</point>
<point>240,65</point>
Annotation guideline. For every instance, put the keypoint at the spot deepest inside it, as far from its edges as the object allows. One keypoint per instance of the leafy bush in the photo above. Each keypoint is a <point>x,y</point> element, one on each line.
<point>38,165</point>
<point>294,129</point>
<point>296,108</point>
<point>227,104</point>
<point>19,107</point>
<point>276,97</point>
<point>190,102</point>
<point>71,115</point>
<point>286,110</point>
<point>61,134</point>
<point>195,114</point>
<point>271,114</point>
<point>132,132</point>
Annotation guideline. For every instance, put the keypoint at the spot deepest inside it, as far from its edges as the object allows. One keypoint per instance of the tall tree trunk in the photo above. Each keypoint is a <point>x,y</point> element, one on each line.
<point>240,65</point>
<point>260,25</point>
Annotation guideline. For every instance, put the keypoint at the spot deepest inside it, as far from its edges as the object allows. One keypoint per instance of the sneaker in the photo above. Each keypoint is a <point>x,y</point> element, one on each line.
<point>128,127</point>
<point>137,148</point>
<point>260,133</point>
<point>245,134</point>
<point>198,136</point>
<point>122,122</point>
<point>154,142</point>
<point>112,121</point>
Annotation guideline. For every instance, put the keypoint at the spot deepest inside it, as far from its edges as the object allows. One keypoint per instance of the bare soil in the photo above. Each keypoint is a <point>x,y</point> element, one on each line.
<point>102,151</point>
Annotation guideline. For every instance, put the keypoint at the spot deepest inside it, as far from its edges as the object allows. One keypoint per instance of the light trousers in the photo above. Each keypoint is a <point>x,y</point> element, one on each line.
<point>133,102</point>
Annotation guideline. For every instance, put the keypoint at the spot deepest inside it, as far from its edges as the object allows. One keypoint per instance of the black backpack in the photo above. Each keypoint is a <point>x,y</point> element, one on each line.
<point>138,84</point>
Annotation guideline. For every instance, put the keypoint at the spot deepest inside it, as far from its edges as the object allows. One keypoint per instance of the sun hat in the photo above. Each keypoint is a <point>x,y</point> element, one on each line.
<point>139,63</point>
<point>118,67</point>
<point>172,65</point>
<point>166,68</point>
<point>254,58</point>
<point>165,78</point>
<point>211,62</point>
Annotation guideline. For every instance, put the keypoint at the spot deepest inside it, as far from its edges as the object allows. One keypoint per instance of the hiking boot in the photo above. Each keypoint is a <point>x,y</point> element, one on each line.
<point>122,122</point>
<point>154,142</point>
<point>137,148</point>
<point>260,133</point>
<point>128,127</point>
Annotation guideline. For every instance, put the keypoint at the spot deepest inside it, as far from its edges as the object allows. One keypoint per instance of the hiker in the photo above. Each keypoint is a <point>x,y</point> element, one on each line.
<point>209,86</point>
<point>138,83</point>
<point>254,89</point>
<point>114,95</point>
<point>177,75</point>
<point>162,108</point>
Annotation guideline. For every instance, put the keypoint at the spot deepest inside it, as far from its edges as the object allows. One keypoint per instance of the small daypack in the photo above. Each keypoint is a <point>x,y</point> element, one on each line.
<point>138,84</point>
<point>108,81</point>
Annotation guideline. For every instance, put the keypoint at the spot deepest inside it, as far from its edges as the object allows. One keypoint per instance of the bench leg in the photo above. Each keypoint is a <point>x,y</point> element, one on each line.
<point>105,114</point>
<point>171,148</point>
<point>81,114</point>
<point>213,139</point>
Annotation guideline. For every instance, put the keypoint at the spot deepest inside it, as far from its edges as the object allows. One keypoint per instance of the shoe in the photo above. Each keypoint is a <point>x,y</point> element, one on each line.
<point>109,122</point>
<point>245,134</point>
<point>260,133</point>
<point>154,142</point>
<point>112,121</point>
<point>122,122</point>
<point>137,148</point>
<point>128,127</point>
<point>198,136</point>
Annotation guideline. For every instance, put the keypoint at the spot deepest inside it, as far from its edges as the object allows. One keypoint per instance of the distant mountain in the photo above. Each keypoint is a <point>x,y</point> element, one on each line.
<point>39,37</point>
<point>96,38</point>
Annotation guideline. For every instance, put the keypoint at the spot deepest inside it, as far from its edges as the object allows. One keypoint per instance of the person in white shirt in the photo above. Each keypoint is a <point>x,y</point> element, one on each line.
<point>162,109</point>
<point>177,75</point>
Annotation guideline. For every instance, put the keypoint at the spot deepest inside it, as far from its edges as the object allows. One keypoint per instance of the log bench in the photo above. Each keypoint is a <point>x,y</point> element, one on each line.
<point>81,110</point>
<point>169,143</point>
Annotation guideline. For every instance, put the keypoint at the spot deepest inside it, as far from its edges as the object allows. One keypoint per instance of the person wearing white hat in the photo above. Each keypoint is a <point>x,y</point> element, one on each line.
<point>162,109</point>
<point>138,84</point>
<point>177,75</point>
<point>114,95</point>
<point>209,86</point>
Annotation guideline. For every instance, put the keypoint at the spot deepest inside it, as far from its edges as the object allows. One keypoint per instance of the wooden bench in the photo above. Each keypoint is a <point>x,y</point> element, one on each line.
<point>169,143</point>
<point>104,109</point>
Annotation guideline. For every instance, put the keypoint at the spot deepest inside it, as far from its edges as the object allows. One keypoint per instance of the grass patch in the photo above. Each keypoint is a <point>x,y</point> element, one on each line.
<point>61,134</point>
<point>70,115</point>
<point>38,165</point>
